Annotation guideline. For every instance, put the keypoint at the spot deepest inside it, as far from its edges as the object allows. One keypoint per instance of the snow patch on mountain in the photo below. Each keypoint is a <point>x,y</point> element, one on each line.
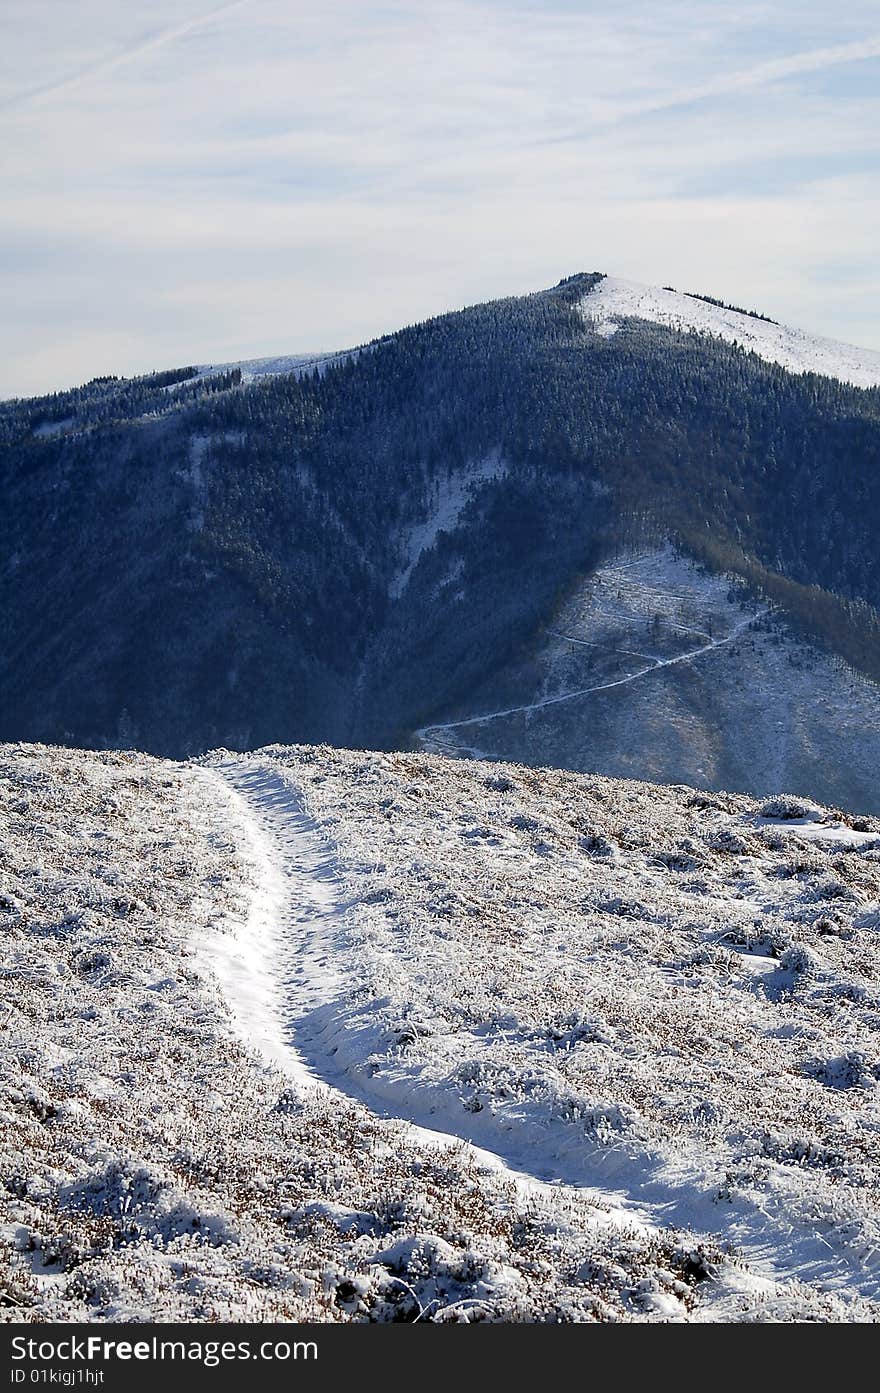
<point>452,494</point>
<point>47,429</point>
<point>254,369</point>
<point>196,474</point>
<point>654,666</point>
<point>614,300</point>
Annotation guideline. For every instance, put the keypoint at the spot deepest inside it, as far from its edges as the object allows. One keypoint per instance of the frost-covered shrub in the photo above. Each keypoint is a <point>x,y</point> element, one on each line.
<point>708,1114</point>
<point>594,844</point>
<point>802,863</point>
<point>578,1027</point>
<point>800,1149</point>
<point>706,803</point>
<point>787,808</point>
<point>607,1120</point>
<point>828,925</point>
<point>676,860</point>
<point>726,839</point>
<point>40,1104</point>
<point>848,1070</point>
<point>621,906</point>
<point>760,938</point>
<point>830,887</point>
<point>93,962</point>
<point>499,783</point>
<point>850,991</point>
<point>96,1284</point>
<point>868,918</point>
<point>708,955</point>
<point>797,960</point>
<point>147,1203</point>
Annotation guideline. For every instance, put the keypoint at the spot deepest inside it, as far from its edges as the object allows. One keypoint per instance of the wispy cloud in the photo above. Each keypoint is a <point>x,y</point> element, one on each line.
<point>773,70</point>
<point>128,54</point>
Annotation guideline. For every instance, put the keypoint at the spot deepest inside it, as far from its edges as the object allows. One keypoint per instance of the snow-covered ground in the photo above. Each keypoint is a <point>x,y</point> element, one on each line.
<point>657,667</point>
<point>257,1010</point>
<point>613,300</point>
<point>252,369</point>
<point>662,999</point>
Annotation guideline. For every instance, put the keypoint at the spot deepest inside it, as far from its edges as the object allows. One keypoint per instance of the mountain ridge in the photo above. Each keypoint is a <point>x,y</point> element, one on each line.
<point>197,559</point>
<point>609,300</point>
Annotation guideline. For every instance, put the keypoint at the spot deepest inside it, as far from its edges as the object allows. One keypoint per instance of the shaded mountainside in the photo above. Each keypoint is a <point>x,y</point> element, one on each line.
<point>345,551</point>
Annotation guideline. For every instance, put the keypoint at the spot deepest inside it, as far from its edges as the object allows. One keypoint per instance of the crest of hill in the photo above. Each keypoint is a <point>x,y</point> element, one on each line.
<point>614,300</point>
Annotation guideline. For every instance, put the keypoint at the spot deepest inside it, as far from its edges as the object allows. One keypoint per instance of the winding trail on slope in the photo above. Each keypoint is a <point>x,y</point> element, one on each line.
<point>425,733</point>
<point>280,974</point>
<point>288,980</point>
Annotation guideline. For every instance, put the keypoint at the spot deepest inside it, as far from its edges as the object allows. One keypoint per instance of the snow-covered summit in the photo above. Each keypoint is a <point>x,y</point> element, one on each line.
<point>613,300</point>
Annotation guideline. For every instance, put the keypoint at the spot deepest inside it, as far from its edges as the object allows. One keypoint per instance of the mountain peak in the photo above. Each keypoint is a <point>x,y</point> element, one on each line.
<point>612,300</point>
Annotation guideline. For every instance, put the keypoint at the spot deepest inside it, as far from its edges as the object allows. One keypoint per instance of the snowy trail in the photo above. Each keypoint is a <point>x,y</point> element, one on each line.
<point>279,964</point>
<point>286,981</point>
<point>656,664</point>
<point>280,974</point>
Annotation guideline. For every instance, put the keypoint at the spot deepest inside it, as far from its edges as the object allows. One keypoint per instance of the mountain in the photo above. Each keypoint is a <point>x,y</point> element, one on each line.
<point>330,1035</point>
<point>357,547</point>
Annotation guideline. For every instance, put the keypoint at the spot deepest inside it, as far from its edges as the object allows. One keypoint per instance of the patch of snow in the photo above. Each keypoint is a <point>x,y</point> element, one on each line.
<point>614,300</point>
<point>283,365</point>
<point>199,448</point>
<point>761,711</point>
<point>452,495</point>
<point>830,831</point>
<point>46,429</point>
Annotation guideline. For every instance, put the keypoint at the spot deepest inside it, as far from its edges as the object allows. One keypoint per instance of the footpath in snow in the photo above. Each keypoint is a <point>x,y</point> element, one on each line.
<point>283,974</point>
<point>281,963</point>
<point>304,991</point>
<point>434,737</point>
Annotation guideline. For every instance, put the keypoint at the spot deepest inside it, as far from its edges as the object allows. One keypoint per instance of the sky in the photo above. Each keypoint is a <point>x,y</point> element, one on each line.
<point>187,182</point>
